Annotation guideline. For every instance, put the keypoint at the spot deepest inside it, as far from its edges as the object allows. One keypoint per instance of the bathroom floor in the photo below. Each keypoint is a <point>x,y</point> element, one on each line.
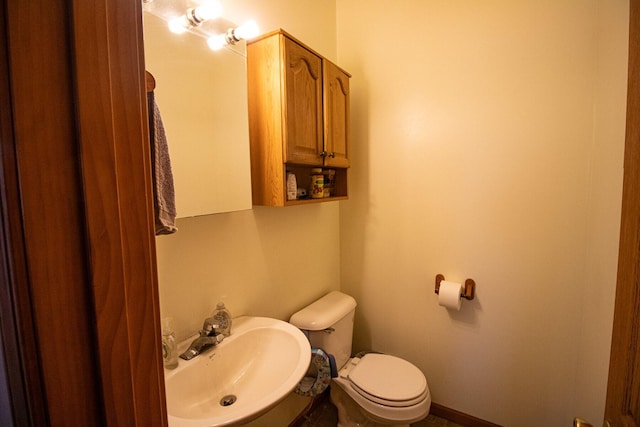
<point>325,415</point>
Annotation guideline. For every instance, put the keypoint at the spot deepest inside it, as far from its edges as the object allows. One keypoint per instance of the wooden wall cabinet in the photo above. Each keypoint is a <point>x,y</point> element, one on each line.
<point>298,118</point>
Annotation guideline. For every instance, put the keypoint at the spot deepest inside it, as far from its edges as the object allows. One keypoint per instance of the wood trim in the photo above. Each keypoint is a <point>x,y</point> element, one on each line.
<point>459,417</point>
<point>623,390</point>
<point>47,246</point>
<point>116,167</point>
<point>78,287</point>
<point>267,179</point>
<point>289,36</point>
<point>150,81</point>
<point>23,397</point>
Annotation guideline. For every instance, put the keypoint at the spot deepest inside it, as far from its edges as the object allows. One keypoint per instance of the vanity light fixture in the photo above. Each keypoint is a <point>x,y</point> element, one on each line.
<point>245,31</point>
<point>195,16</point>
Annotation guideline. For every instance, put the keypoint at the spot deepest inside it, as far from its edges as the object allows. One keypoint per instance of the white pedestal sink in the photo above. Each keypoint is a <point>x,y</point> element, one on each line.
<point>239,379</point>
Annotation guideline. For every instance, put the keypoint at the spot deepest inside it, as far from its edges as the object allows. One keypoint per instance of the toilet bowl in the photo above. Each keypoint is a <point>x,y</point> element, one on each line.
<point>371,389</point>
<point>387,389</point>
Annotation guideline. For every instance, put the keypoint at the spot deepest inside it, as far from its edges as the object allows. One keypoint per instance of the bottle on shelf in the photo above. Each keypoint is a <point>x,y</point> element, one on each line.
<point>292,186</point>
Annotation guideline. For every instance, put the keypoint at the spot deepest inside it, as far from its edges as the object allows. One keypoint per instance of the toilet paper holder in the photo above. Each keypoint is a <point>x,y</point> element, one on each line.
<point>469,291</point>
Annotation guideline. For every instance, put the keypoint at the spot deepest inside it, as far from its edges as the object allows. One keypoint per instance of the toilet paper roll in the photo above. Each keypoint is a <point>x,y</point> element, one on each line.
<point>449,295</point>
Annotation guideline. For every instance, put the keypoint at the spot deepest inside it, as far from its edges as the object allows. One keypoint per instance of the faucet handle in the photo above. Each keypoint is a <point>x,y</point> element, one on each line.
<point>209,328</point>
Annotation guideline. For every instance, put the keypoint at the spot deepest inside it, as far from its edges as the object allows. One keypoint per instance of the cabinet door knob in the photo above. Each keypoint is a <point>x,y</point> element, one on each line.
<point>323,154</point>
<point>332,154</point>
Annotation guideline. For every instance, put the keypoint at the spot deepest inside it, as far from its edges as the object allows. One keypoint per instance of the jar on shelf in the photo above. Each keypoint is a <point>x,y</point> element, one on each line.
<point>317,183</point>
<point>329,181</point>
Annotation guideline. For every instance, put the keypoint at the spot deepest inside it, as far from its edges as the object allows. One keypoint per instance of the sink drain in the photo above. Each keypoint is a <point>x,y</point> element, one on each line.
<point>228,400</point>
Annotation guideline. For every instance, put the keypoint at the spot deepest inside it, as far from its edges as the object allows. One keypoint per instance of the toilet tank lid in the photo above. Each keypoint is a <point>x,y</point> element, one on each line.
<point>324,312</point>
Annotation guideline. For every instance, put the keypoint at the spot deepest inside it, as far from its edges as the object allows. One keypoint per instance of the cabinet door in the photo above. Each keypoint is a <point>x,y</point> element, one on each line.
<point>303,139</point>
<point>336,116</point>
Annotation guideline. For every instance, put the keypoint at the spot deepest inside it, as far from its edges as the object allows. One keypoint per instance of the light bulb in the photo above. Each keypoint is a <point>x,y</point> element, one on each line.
<point>246,31</point>
<point>208,10</point>
<point>217,42</point>
<point>195,16</point>
<point>179,25</point>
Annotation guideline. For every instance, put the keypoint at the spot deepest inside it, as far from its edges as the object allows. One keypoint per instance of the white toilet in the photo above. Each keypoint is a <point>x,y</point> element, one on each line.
<point>371,390</point>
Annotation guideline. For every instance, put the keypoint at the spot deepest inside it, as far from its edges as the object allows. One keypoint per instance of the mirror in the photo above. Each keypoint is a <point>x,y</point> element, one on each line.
<point>202,97</point>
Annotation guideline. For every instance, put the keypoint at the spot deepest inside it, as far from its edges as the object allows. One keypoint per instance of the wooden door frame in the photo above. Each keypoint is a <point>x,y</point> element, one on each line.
<point>80,328</point>
<point>114,142</point>
<point>623,390</point>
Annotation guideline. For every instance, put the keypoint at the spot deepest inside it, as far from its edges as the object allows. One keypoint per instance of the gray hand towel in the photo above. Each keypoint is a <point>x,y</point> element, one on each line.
<point>163,192</point>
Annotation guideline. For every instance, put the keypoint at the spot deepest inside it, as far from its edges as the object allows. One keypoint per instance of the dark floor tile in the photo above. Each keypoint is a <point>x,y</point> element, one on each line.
<point>326,415</point>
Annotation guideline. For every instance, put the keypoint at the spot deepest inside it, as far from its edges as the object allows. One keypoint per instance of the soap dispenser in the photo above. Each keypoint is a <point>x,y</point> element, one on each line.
<point>222,318</point>
<point>169,348</point>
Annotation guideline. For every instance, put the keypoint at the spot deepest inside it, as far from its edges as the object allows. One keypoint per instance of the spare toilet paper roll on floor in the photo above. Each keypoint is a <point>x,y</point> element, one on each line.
<point>449,295</point>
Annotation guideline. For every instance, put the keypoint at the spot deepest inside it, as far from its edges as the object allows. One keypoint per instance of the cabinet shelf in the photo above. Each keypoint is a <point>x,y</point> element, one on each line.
<point>312,201</point>
<point>303,179</point>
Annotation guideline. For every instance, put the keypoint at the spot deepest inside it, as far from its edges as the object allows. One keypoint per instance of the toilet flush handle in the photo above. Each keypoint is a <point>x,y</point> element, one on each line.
<point>329,330</point>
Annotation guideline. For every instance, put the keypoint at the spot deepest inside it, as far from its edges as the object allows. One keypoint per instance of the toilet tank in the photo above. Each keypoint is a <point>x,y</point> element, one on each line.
<point>329,324</point>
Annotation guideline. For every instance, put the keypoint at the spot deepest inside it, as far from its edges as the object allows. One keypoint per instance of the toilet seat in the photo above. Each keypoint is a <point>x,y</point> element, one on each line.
<point>386,380</point>
<point>377,392</point>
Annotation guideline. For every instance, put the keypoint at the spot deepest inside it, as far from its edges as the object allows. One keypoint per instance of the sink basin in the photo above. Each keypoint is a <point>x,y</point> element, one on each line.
<point>239,379</point>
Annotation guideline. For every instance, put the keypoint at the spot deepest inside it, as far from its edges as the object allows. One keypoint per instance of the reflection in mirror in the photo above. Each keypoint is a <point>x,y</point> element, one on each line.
<point>202,97</point>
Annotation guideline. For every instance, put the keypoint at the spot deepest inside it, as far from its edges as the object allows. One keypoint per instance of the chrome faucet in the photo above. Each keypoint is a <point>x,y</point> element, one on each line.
<point>208,337</point>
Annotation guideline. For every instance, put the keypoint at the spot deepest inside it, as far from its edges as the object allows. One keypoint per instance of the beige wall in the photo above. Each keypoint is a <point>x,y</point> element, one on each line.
<point>265,261</point>
<point>261,262</point>
<point>488,143</point>
<point>603,222</point>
